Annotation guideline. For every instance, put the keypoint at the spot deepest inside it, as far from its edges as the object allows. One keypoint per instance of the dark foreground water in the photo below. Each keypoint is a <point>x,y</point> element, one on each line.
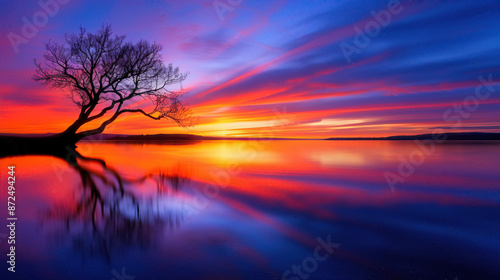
<point>257,210</point>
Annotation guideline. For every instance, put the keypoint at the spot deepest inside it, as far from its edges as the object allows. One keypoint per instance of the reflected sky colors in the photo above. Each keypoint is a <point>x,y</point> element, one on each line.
<point>269,208</point>
<point>263,56</point>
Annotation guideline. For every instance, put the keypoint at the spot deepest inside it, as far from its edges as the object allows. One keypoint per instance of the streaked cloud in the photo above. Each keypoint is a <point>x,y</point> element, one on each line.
<point>266,55</point>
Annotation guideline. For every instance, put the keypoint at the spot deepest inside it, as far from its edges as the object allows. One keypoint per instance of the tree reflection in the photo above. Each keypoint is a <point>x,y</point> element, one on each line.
<point>108,214</point>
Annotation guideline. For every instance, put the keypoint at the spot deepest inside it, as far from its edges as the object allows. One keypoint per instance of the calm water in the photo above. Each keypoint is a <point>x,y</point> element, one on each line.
<point>253,210</point>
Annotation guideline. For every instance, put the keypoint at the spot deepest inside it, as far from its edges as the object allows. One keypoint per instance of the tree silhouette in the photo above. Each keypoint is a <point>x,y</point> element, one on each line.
<point>104,75</point>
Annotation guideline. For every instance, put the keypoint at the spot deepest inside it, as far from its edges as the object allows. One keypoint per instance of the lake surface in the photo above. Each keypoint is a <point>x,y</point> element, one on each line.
<point>257,209</point>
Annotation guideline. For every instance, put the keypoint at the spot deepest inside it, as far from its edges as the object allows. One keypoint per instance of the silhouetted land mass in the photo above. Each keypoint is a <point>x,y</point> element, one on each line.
<point>161,137</point>
<point>192,137</point>
<point>40,145</point>
<point>180,137</point>
<point>463,136</point>
<point>48,144</point>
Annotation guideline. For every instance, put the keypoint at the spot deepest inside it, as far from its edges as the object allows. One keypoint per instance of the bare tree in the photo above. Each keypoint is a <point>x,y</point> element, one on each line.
<point>103,74</point>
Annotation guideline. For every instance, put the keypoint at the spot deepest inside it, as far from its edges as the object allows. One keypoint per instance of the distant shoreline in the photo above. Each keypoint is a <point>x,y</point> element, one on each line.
<point>458,136</point>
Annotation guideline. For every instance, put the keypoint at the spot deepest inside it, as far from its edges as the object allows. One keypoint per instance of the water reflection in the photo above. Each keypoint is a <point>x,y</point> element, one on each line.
<point>441,222</point>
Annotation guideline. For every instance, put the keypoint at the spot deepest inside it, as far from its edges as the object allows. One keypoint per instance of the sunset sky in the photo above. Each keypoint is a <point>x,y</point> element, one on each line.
<point>278,68</point>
